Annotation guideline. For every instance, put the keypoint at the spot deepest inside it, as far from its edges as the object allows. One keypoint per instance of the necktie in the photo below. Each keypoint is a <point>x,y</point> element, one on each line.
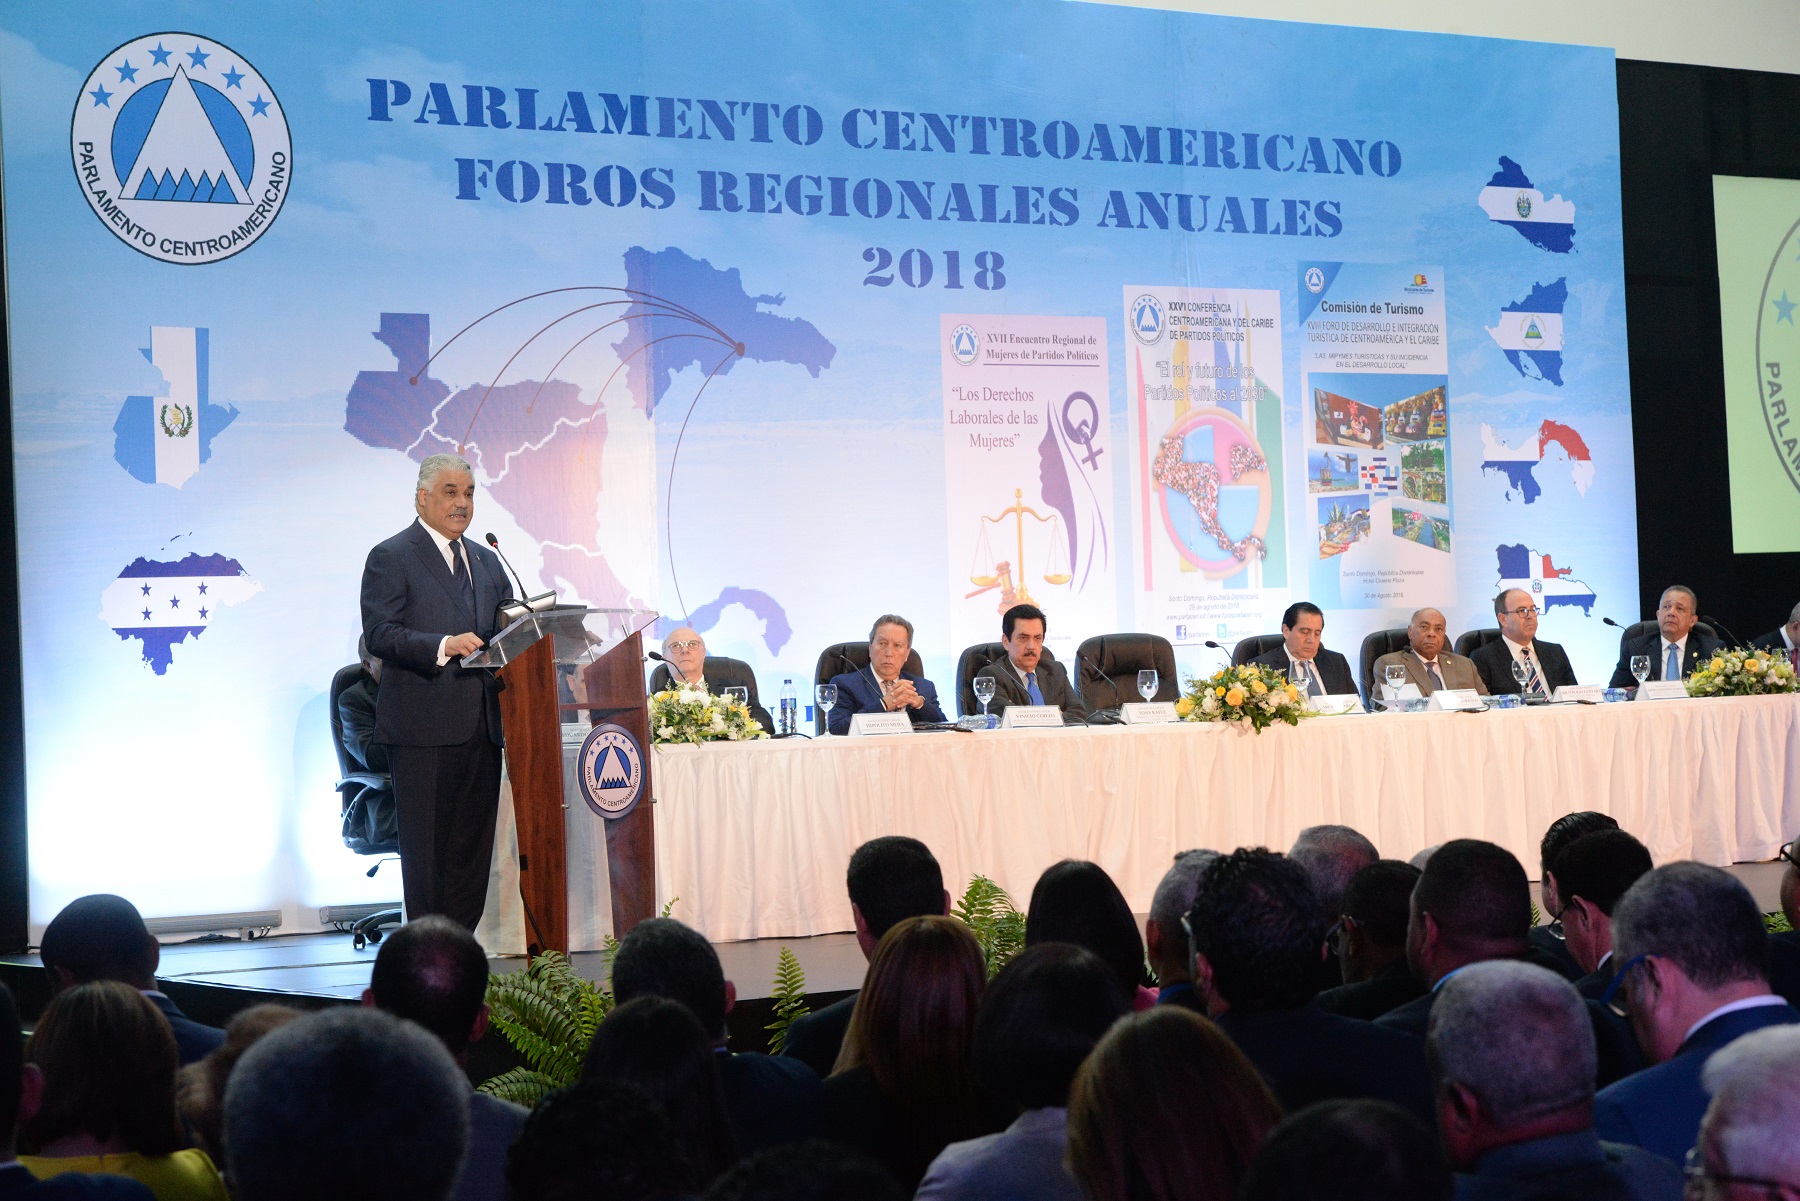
<point>459,571</point>
<point>1031,688</point>
<point>1437,681</point>
<point>1313,687</point>
<point>1533,681</point>
<point>1672,664</point>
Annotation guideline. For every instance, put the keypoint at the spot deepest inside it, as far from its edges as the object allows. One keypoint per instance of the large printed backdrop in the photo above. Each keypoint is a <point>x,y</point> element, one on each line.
<point>771,323</point>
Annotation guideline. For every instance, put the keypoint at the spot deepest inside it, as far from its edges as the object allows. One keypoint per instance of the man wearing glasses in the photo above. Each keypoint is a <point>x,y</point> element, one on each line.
<point>1546,666</point>
<point>686,662</point>
<point>1691,947</point>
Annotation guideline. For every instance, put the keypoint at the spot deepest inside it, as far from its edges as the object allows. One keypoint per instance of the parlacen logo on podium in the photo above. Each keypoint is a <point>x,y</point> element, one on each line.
<point>181,148</point>
<point>610,770</point>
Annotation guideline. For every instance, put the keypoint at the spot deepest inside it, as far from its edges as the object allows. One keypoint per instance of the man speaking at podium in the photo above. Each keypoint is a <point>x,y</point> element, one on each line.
<point>428,599</point>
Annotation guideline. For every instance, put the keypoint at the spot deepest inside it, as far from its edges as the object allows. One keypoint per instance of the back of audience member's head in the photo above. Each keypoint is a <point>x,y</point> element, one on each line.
<point>1039,1018</point>
<point>660,1046</point>
<point>1076,901</point>
<point>200,1086</point>
<point>108,1060</point>
<point>352,1104</point>
<point>914,1020</point>
<point>894,877</point>
<point>1600,868</point>
<point>1166,1108</point>
<point>1509,1044</point>
<point>812,1170</point>
<point>1166,942</point>
<point>12,1072</point>
<point>1422,857</point>
<point>1330,856</point>
<point>1478,897</point>
<point>661,957</point>
<point>1375,909</point>
<point>1700,918</point>
<point>1361,1150</point>
<point>1564,831</point>
<point>1257,925</point>
<point>99,937</point>
<point>599,1139</point>
<point>433,972</point>
<point>1749,1126</point>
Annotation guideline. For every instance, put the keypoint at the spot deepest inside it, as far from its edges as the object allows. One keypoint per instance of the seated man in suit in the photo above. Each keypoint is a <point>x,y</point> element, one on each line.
<point>1546,666</point>
<point>686,662</point>
<point>1512,1050</point>
<point>1782,638</point>
<point>1428,665</point>
<point>1165,942</point>
<point>1693,954</point>
<point>883,685</point>
<point>1675,649</point>
<point>356,710</point>
<point>1309,666</point>
<point>1030,676</point>
<point>1371,943</point>
<point>1592,873</point>
<point>1748,1134</point>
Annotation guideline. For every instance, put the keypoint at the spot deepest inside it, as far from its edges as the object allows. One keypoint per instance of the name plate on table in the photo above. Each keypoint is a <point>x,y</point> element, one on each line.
<point>1662,690</point>
<point>885,722</point>
<point>1456,700</point>
<point>1031,717</point>
<point>1148,713</point>
<point>1592,693</point>
<point>1334,703</point>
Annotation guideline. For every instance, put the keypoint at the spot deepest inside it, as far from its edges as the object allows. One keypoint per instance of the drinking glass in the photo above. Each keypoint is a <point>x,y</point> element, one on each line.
<point>1640,667</point>
<point>1396,679</point>
<point>1521,673</point>
<point>984,692</point>
<point>826,695</point>
<point>1148,682</point>
<point>739,695</point>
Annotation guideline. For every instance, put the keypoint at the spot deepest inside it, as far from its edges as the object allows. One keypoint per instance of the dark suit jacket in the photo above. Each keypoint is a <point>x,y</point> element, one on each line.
<point>18,1184</point>
<point>857,693</point>
<point>356,710</point>
<point>1699,647</point>
<point>192,1040</point>
<point>494,1127</point>
<point>720,673</point>
<point>409,604</point>
<point>1553,953</point>
<point>1308,1055</point>
<point>1570,1165</point>
<point>772,1100</point>
<point>1784,966</point>
<point>1660,1108</point>
<point>1772,641</point>
<point>1052,681</point>
<point>1184,994</point>
<point>1367,1000</point>
<point>859,1115</point>
<point>1494,661</point>
<point>816,1039</point>
<point>1334,670</point>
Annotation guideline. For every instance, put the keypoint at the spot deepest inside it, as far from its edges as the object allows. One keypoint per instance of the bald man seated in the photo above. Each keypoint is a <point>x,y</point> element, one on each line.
<point>1428,665</point>
<point>686,662</point>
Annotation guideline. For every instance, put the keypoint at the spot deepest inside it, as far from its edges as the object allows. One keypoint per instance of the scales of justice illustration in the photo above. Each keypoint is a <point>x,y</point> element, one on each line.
<point>987,574</point>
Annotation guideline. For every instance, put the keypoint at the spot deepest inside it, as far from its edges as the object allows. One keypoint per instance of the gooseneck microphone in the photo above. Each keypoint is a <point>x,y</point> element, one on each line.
<point>1718,625</point>
<point>667,662</point>
<point>495,544</point>
<point>1609,621</point>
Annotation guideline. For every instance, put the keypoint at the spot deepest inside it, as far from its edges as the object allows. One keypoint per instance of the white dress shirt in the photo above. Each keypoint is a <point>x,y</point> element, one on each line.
<point>443,545</point>
<point>1746,1003</point>
<point>1680,653</point>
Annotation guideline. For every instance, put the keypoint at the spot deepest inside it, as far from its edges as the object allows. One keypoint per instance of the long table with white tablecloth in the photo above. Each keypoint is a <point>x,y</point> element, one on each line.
<point>752,838</point>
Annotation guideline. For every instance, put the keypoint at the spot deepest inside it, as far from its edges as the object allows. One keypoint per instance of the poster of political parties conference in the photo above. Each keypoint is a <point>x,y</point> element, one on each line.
<point>688,284</point>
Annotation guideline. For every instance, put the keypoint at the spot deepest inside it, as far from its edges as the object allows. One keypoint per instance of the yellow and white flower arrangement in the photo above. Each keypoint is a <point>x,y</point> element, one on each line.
<point>1742,672</point>
<point>1252,694</point>
<point>687,713</point>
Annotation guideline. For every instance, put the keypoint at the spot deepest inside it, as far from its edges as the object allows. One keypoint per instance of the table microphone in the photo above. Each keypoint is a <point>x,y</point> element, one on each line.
<point>1718,625</point>
<point>1609,621</point>
<point>667,662</point>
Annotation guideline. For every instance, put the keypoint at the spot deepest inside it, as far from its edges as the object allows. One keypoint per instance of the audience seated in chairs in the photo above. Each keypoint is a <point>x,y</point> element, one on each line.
<point>1077,902</point>
<point>658,1045</point>
<point>1166,1109</point>
<point>200,1087</point>
<point>771,1099</point>
<point>1165,940</point>
<point>1747,1137</point>
<point>1370,943</point>
<point>108,1104</point>
<point>598,1139</point>
<point>1512,1049</point>
<point>1038,1020</point>
<point>1258,936</point>
<point>103,937</point>
<point>1358,1150</point>
<point>903,1088</point>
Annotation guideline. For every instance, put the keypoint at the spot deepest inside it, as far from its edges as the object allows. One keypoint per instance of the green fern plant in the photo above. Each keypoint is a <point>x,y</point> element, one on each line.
<point>1775,922</point>
<point>997,923</point>
<point>789,995</point>
<point>548,1014</point>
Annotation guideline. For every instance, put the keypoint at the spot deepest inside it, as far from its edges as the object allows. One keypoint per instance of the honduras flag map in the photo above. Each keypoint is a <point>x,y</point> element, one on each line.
<point>162,603</point>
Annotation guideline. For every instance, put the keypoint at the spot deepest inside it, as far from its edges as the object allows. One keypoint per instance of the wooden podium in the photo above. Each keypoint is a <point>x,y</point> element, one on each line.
<point>605,650</point>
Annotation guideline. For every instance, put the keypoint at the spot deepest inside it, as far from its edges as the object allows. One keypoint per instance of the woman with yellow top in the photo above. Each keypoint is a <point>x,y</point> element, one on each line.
<point>108,1059</point>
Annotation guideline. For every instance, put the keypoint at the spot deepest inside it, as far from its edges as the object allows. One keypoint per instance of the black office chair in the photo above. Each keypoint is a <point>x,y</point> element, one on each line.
<point>1254,646</point>
<point>1639,628</point>
<point>370,820</point>
<point>1381,642</point>
<point>968,664</point>
<point>845,658</point>
<point>1473,640</point>
<point>1106,667</point>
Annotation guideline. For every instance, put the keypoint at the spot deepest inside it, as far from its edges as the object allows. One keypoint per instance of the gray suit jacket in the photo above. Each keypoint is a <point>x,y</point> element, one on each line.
<point>1024,1162</point>
<point>1457,671</point>
<point>1052,681</point>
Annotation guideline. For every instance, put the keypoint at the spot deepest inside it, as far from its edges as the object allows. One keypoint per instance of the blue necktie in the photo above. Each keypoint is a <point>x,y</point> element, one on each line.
<point>1031,688</point>
<point>460,573</point>
<point>1672,665</point>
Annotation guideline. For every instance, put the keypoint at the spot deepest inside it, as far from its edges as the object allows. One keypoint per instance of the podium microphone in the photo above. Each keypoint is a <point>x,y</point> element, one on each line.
<point>667,662</point>
<point>495,543</point>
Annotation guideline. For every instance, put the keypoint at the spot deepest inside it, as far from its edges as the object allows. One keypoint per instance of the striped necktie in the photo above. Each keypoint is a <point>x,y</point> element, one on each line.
<point>1534,683</point>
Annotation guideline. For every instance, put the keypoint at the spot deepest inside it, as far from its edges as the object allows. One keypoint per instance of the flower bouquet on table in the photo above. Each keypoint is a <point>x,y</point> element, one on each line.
<point>687,713</point>
<point>1742,672</point>
<point>1252,694</point>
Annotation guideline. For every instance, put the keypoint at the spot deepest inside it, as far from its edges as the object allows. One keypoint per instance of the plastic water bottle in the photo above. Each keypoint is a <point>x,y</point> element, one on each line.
<point>789,721</point>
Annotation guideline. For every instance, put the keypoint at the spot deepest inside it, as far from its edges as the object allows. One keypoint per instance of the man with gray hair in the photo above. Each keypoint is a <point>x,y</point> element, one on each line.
<point>1165,942</point>
<point>429,597</point>
<point>1511,1049</point>
<point>1693,956</point>
<point>1330,855</point>
<point>1747,1136</point>
<point>351,1104</point>
<point>1784,638</point>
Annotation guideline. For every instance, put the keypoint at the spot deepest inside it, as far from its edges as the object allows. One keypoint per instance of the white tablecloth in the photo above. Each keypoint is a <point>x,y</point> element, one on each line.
<point>752,839</point>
